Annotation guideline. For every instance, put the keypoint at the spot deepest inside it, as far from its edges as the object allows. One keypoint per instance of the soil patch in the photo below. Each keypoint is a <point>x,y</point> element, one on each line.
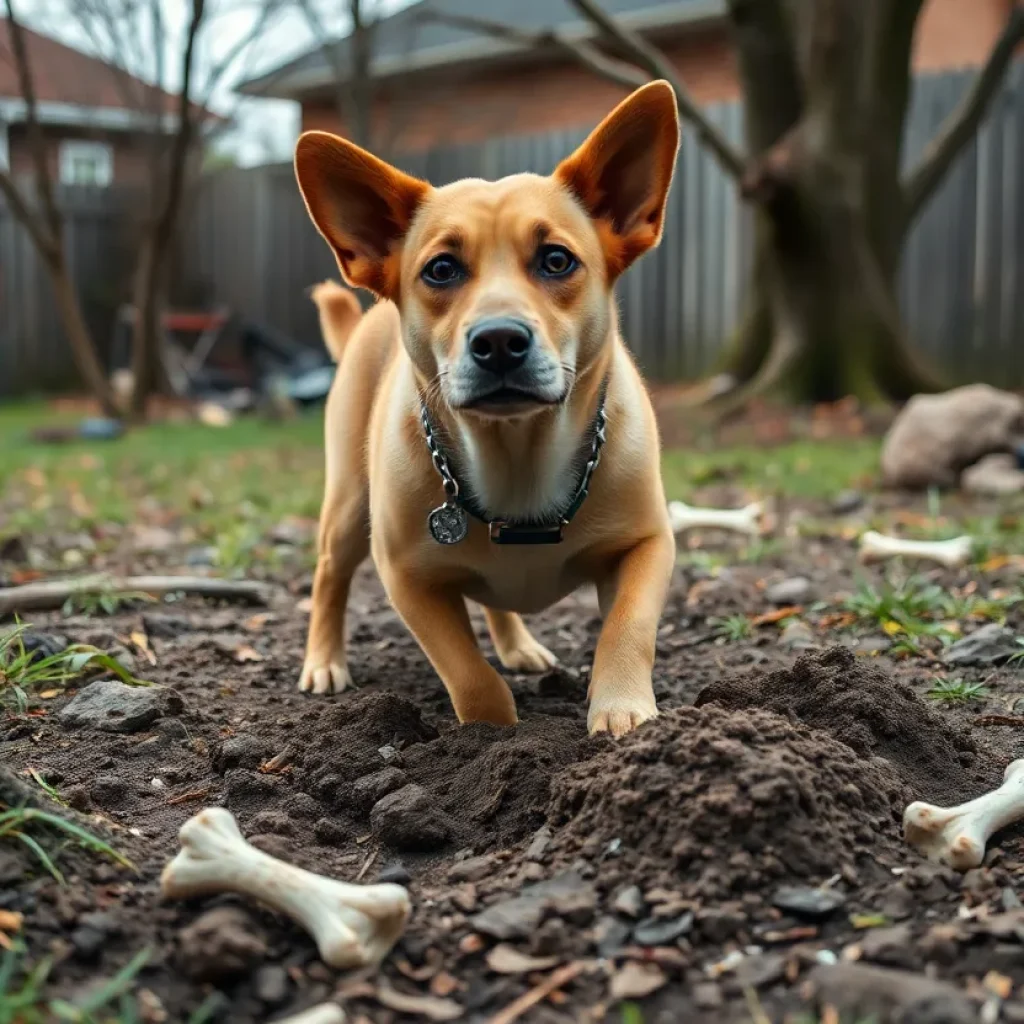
<point>864,707</point>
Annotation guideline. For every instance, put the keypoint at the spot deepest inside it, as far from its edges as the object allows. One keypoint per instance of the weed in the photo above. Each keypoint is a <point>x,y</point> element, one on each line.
<point>902,602</point>
<point>23,671</point>
<point>955,691</point>
<point>732,629</point>
<point>28,825</point>
<point>105,600</point>
<point>1019,656</point>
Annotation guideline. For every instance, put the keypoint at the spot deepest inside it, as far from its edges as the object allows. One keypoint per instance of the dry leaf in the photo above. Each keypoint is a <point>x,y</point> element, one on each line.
<point>506,959</point>
<point>141,641</point>
<point>431,1007</point>
<point>49,694</point>
<point>444,984</point>
<point>769,618</point>
<point>256,623</point>
<point>634,981</point>
<point>246,653</point>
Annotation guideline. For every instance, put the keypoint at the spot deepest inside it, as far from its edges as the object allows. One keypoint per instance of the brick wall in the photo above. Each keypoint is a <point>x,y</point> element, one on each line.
<point>470,105</point>
<point>130,158</point>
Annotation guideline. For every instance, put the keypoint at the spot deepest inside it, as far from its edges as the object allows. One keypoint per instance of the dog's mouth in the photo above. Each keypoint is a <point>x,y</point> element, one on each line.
<point>508,401</point>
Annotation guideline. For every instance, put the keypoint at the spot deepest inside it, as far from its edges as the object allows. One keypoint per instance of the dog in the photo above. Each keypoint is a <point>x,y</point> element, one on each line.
<point>488,436</point>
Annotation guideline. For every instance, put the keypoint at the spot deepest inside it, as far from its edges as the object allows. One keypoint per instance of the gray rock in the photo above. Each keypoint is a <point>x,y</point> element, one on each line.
<point>994,475</point>
<point>567,895</point>
<point>165,627</point>
<point>935,437</point>
<point>795,590</point>
<point>630,902</point>
<point>472,869</point>
<point>891,947</point>
<point>516,918</point>
<point>991,645</point>
<point>761,971</point>
<point>847,502</point>
<point>109,790</point>
<point>539,844</point>
<point>367,790</point>
<point>812,904</point>
<point>112,706</point>
<point>660,931</point>
<point>798,636</point>
<point>610,936</point>
<point>244,750</point>
<point>408,819</point>
<point>271,984</point>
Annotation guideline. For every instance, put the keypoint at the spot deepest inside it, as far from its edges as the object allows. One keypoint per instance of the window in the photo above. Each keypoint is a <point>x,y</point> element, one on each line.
<point>86,163</point>
<point>5,154</point>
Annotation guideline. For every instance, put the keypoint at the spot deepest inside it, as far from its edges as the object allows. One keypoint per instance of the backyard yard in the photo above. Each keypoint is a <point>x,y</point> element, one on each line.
<point>707,867</point>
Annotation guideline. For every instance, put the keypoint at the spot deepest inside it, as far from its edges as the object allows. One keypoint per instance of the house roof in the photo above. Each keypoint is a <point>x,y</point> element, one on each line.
<point>73,87</point>
<point>413,40</point>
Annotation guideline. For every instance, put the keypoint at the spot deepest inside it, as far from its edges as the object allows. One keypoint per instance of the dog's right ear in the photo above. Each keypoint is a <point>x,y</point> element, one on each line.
<point>362,206</point>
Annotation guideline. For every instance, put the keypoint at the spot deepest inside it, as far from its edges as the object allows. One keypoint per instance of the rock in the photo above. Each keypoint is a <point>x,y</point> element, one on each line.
<point>244,750</point>
<point>798,636</point>
<point>634,981</point>
<point>610,936</point>
<point>795,590</point>
<point>78,799</point>
<point>472,869</point>
<point>994,475</point>
<point>630,902</point>
<point>539,844</point>
<point>395,872</point>
<point>109,791</point>
<point>165,627</point>
<point>568,895</point>
<point>812,904</point>
<point>891,947</point>
<point>367,790</point>
<point>221,944</point>
<point>659,931</point>
<point>409,820</point>
<point>991,645</point>
<point>719,924</point>
<point>898,904</point>
<point>847,502</point>
<point>39,645</point>
<point>708,995</point>
<point>935,437</point>
<point>112,706</point>
<point>761,971</point>
<point>890,995</point>
<point>516,918</point>
<point>331,832</point>
<point>271,984</point>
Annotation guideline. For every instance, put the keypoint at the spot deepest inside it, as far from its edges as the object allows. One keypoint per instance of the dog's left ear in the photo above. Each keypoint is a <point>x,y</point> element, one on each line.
<point>622,173</point>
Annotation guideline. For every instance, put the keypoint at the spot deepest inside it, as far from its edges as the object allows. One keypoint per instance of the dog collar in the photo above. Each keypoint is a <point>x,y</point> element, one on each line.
<point>449,523</point>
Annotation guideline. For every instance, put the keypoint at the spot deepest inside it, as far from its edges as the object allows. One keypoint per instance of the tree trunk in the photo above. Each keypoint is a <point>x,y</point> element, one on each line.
<point>148,370</point>
<point>70,312</point>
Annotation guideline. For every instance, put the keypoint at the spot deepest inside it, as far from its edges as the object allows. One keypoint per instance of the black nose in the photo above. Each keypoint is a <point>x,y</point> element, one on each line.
<point>500,343</point>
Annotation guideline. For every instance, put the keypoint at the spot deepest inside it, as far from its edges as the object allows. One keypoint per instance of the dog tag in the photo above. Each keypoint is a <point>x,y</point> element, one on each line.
<point>448,523</point>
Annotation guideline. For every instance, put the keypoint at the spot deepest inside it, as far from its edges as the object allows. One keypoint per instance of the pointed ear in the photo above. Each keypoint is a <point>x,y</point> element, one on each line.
<point>362,206</point>
<point>622,173</point>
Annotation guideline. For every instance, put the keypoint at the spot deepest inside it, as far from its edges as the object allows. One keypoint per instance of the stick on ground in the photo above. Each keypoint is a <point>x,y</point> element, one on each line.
<point>53,594</point>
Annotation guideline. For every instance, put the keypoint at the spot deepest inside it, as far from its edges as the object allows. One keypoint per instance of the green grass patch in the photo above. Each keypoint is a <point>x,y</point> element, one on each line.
<point>955,691</point>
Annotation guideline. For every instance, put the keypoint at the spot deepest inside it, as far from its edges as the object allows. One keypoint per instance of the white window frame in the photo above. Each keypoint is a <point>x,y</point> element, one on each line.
<point>5,147</point>
<point>78,149</point>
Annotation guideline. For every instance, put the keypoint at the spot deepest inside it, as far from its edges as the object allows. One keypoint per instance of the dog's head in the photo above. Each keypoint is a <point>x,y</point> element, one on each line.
<point>504,287</point>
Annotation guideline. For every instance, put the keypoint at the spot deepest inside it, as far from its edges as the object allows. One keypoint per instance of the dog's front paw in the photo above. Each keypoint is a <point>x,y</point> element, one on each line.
<point>320,675</point>
<point>529,656</point>
<point>619,715</point>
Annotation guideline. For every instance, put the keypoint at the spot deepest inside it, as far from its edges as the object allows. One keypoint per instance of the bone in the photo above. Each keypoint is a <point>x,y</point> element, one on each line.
<point>353,925</point>
<point>741,520</point>
<point>874,547</point>
<point>325,1013</point>
<point>957,836</point>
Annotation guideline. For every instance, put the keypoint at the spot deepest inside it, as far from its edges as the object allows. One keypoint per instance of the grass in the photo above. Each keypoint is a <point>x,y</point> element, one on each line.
<point>105,601</point>
<point>23,672</point>
<point>955,691</point>
<point>732,629</point>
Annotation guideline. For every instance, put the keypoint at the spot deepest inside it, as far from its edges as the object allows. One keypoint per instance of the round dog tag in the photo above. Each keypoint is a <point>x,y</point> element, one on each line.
<point>448,524</point>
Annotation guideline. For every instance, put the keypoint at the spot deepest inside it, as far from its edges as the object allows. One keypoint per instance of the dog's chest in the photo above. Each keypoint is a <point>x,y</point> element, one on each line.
<point>523,579</point>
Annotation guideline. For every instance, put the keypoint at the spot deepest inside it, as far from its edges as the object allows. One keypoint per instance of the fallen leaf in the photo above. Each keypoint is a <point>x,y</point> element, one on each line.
<point>506,959</point>
<point>443,984</point>
<point>246,653</point>
<point>141,641</point>
<point>431,1007</point>
<point>634,981</point>
<point>49,694</point>
<point>256,623</point>
<point>995,563</point>
<point>777,615</point>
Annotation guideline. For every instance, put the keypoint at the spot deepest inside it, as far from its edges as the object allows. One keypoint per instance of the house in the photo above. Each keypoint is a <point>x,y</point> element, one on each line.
<point>97,120</point>
<point>436,82</point>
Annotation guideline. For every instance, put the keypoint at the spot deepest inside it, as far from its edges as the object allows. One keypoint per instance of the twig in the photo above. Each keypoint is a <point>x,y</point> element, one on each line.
<point>43,596</point>
<point>555,980</point>
<point>366,866</point>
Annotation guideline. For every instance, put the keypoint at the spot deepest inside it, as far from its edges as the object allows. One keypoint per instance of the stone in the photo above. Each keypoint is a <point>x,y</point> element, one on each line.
<point>719,924</point>
<point>472,869</point>
<point>659,931</point>
<point>811,904</point>
<point>795,590</point>
<point>993,644</point>
<point>112,706</point>
<point>708,995</point>
<point>38,645</point>
<point>395,872</point>
<point>271,984</point>
<point>610,936</point>
<point>367,790</point>
<point>567,895</point>
<point>891,947</point>
<point>161,626</point>
<point>408,819</point>
<point>539,844</point>
<point>630,902</point>
<point>993,476</point>
<point>109,790</point>
<point>220,944</point>
<point>798,636</point>
<point>899,903</point>
<point>761,970</point>
<point>935,437</point>
<point>847,502</point>
<point>331,832</point>
<point>515,918</point>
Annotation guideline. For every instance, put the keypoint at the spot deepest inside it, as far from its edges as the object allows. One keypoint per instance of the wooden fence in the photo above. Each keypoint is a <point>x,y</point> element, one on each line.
<point>249,244</point>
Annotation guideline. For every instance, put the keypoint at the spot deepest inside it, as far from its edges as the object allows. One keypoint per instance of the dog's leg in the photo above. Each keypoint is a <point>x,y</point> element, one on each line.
<point>517,649</point>
<point>344,542</point>
<point>621,694</point>
<point>440,622</point>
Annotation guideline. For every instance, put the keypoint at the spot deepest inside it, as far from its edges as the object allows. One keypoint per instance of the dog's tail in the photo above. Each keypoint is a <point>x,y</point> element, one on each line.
<point>339,313</point>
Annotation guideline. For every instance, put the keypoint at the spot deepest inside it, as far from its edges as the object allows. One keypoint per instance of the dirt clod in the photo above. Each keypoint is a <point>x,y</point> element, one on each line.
<point>408,820</point>
<point>220,944</point>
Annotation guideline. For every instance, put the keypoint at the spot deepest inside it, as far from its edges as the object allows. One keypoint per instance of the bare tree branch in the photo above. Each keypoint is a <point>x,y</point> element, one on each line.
<point>960,126</point>
<point>645,56</point>
<point>242,45</point>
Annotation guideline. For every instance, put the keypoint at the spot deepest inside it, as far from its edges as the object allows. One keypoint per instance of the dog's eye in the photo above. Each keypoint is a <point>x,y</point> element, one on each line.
<point>556,261</point>
<point>443,271</point>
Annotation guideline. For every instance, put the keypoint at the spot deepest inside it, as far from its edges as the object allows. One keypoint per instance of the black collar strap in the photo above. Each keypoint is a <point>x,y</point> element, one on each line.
<point>449,523</point>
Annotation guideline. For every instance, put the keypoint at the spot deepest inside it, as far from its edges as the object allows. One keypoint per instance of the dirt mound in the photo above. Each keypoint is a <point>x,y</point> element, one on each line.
<point>866,709</point>
<point>729,800</point>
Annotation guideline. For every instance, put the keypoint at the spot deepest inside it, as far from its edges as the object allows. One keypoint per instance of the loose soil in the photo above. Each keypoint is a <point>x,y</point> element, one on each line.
<point>651,866</point>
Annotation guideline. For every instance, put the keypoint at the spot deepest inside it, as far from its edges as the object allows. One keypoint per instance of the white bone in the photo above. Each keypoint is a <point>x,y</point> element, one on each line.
<point>950,553</point>
<point>353,925</point>
<point>956,836</point>
<point>325,1013</point>
<point>742,520</point>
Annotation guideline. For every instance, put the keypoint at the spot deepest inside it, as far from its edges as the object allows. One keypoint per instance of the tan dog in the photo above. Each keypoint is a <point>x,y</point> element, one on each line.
<point>497,342</point>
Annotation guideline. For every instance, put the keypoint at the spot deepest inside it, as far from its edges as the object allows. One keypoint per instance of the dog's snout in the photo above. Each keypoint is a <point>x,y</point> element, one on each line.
<point>500,344</point>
